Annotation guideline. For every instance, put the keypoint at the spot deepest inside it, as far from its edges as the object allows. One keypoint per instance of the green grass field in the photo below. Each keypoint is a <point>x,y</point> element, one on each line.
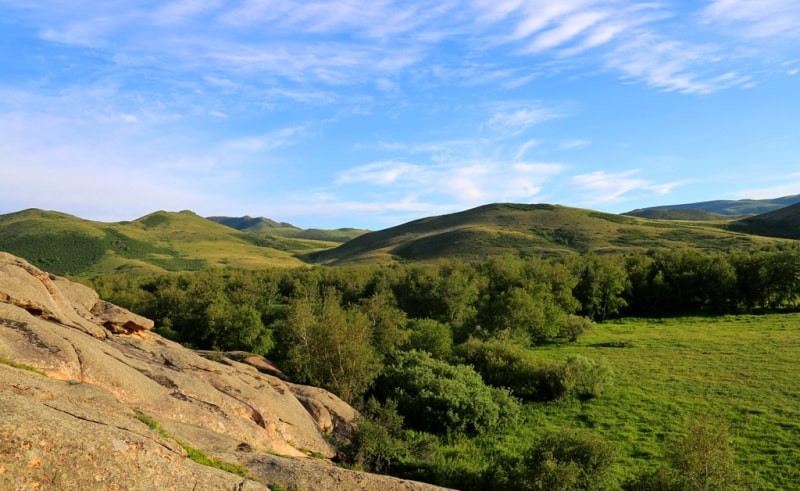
<point>741,370</point>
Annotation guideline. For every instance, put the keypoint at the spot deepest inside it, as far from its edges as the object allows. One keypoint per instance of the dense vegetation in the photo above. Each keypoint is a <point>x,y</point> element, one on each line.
<point>493,374</point>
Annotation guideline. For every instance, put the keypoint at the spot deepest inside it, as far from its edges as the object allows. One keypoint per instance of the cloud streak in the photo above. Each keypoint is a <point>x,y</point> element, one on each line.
<point>603,187</point>
<point>329,42</point>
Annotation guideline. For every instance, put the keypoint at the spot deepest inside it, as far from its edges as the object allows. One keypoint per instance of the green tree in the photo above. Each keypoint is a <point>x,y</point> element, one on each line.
<point>387,322</point>
<point>703,456</point>
<point>601,286</point>
<point>331,347</point>
<point>431,336</point>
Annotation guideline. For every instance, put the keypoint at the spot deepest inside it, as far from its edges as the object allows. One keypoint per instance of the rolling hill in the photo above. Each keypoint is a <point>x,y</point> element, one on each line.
<point>158,242</point>
<point>283,229</point>
<point>183,241</point>
<point>539,229</point>
<point>784,223</point>
<point>714,210</point>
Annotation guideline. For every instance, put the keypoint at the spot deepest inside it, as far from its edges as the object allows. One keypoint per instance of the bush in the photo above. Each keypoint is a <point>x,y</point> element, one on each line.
<point>377,441</point>
<point>574,326</point>
<point>585,378</point>
<point>567,460</point>
<point>661,479</point>
<point>437,397</point>
<point>503,364</point>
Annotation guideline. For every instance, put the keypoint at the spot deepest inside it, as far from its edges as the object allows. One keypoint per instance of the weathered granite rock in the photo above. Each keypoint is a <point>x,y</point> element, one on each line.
<point>75,436</point>
<point>119,320</point>
<point>75,429</point>
<point>331,414</point>
<point>308,474</point>
<point>31,289</point>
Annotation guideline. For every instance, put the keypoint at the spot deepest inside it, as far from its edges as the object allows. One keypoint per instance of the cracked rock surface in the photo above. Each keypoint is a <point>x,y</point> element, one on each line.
<point>76,428</point>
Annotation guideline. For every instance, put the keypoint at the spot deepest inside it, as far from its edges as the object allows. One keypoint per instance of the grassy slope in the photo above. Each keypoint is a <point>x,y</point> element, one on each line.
<point>161,241</point>
<point>742,370</point>
<point>528,229</point>
<point>784,222</point>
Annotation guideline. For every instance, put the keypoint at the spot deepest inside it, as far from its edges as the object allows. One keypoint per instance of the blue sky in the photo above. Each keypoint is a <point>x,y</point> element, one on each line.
<point>370,113</point>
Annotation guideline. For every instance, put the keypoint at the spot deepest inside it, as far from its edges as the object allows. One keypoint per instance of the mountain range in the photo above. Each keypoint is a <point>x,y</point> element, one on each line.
<point>184,241</point>
<point>714,210</point>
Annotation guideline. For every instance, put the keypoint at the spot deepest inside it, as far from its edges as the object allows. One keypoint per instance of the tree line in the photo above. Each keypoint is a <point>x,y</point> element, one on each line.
<point>438,352</point>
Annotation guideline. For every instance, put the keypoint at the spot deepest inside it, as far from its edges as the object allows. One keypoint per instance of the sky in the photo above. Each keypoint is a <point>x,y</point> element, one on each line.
<point>371,113</point>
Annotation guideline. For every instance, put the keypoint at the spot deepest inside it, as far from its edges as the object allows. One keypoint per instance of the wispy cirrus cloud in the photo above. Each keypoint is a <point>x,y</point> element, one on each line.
<point>359,41</point>
<point>761,19</point>
<point>673,65</point>
<point>513,118</point>
<point>613,187</point>
<point>465,182</point>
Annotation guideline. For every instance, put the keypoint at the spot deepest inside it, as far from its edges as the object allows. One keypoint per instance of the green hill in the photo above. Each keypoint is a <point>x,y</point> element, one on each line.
<point>161,241</point>
<point>250,224</point>
<point>784,222</point>
<point>540,229</point>
<point>272,228</point>
<point>728,208</point>
<point>183,241</point>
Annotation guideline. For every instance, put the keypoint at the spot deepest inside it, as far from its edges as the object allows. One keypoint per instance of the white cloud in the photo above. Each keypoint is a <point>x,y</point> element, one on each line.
<point>511,119</point>
<point>603,187</point>
<point>757,19</point>
<point>571,27</point>
<point>672,65</point>
<point>523,149</point>
<point>383,173</point>
<point>470,182</point>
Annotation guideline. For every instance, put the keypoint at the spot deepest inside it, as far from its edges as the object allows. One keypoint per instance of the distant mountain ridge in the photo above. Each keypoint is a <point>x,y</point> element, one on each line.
<point>261,224</point>
<point>250,224</point>
<point>536,229</point>
<point>714,210</point>
<point>184,241</point>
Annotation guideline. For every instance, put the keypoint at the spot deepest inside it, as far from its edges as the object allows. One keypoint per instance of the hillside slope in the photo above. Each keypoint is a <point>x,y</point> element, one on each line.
<point>539,229</point>
<point>158,242</point>
<point>784,222</point>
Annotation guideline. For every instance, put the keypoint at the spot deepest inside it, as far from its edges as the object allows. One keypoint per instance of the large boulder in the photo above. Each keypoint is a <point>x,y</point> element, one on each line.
<point>74,436</point>
<point>75,427</point>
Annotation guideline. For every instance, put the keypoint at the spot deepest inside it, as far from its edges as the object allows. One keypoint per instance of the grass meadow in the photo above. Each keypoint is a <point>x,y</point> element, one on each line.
<point>738,370</point>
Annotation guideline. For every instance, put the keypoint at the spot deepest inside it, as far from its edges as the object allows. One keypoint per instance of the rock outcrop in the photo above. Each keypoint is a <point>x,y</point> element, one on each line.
<point>77,428</point>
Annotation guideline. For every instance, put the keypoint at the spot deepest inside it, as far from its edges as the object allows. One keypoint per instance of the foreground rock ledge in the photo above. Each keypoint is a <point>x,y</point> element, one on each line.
<point>76,427</point>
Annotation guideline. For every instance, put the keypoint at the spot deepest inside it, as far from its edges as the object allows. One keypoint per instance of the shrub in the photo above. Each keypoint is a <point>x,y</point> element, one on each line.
<point>585,378</point>
<point>567,460</point>
<point>437,397</point>
<point>376,443</point>
<point>574,326</point>
<point>502,363</point>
